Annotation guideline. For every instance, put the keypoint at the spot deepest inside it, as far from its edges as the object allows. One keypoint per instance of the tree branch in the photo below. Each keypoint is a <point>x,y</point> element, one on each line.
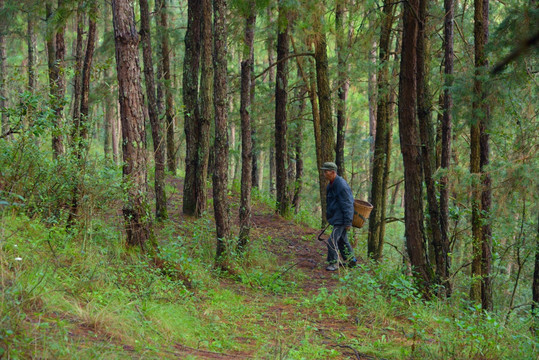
<point>284,59</point>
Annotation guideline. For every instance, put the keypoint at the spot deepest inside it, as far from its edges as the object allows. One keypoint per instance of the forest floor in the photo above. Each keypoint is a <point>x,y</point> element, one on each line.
<point>297,250</point>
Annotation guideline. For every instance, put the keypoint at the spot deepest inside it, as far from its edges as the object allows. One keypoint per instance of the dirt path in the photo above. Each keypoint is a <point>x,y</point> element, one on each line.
<point>296,249</point>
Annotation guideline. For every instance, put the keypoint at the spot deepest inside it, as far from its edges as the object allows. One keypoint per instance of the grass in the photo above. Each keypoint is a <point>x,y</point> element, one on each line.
<point>83,295</point>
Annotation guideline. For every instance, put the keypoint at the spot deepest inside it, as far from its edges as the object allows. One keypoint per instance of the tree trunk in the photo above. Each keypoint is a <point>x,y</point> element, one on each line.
<point>373,102</point>
<point>271,79</point>
<point>424,106</point>
<point>56,55</point>
<point>155,122</point>
<point>77,77</point>
<point>80,126</point>
<point>220,177</point>
<point>137,220</point>
<point>481,289</point>
<point>535,284</point>
<point>410,148</point>
<point>381,150</point>
<point>446,131</point>
<point>31,45</point>
<point>245,110</point>
<point>3,60</point>
<point>190,101</point>
<point>205,101</point>
<point>86,75</point>
<point>318,141</point>
<point>164,49</point>
<point>324,98</point>
<point>343,82</point>
<point>486,193</point>
<point>281,99</point>
<point>298,140</point>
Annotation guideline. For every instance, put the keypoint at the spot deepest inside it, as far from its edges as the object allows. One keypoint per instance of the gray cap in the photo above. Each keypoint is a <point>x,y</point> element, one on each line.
<point>329,166</point>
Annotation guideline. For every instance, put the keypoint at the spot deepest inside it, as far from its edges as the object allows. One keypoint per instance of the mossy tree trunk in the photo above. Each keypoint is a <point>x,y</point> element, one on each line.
<point>155,122</point>
<point>135,209</point>
<point>246,135</point>
<point>220,173</point>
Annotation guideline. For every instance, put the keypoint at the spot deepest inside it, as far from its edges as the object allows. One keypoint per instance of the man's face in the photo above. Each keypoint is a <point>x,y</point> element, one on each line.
<point>329,174</point>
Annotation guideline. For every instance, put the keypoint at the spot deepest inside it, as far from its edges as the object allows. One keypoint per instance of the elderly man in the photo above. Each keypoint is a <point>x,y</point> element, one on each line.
<point>339,213</point>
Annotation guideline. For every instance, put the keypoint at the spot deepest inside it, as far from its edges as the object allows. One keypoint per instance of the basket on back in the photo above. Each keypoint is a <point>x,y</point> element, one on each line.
<point>362,210</point>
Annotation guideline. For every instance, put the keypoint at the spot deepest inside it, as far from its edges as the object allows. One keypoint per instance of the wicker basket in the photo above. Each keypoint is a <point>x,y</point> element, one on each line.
<point>362,210</point>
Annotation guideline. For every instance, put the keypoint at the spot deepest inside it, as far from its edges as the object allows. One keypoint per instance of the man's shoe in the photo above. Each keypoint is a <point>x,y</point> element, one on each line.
<point>332,267</point>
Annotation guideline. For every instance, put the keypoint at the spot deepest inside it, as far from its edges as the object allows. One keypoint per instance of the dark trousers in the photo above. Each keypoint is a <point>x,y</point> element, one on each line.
<point>338,241</point>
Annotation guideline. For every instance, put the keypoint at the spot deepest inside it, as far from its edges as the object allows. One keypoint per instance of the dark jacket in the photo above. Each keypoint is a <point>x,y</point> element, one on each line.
<point>340,203</point>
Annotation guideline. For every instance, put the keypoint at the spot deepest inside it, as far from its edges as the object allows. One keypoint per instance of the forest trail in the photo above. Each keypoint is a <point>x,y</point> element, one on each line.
<point>297,249</point>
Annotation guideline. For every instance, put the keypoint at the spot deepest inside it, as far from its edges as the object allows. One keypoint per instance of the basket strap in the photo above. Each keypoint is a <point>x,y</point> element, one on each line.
<point>361,216</point>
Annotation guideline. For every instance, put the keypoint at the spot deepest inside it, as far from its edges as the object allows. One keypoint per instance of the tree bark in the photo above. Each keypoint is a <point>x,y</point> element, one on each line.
<point>245,113</point>
<point>77,77</point>
<point>137,219</point>
<point>446,130</point>
<point>155,122</point>
<point>535,284</point>
<point>31,46</point>
<point>190,101</point>
<point>410,148</point>
<point>324,98</point>
<point>205,101</point>
<point>220,174</point>
<point>424,106</point>
<point>281,99</point>
<point>271,79</point>
<point>169,99</point>
<point>486,193</point>
<point>381,149</point>
<point>481,289</point>
<point>56,55</point>
<point>298,140</point>
<point>343,82</point>
<point>3,59</point>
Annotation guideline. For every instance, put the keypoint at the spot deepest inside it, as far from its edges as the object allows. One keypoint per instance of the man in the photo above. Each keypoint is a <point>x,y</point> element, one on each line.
<point>339,213</point>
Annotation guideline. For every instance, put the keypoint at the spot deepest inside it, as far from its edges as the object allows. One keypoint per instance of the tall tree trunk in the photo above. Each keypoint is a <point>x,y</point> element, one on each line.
<point>446,131</point>
<point>109,101</point>
<point>220,174</point>
<point>375,241</point>
<point>155,122</point>
<point>56,55</point>
<point>486,193</point>
<point>373,103</point>
<point>3,59</point>
<point>424,106</point>
<point>164,64</point>
<point>343,82</point>
<point>81,123</point>
<point>318,139</point>
<point>409,142</point>
<point>324,98</point>
<point>205,101</point>
<point>77,77</point>
<point>190,101</point>
<point>535,284</point>
<point>271,79</point>
<point>245,113</point>
<point>116,132</point>
<point>298,140</point>
<point>137,220</point>
<point>281,99</point>
<point>86,75</point>
<point>481,289</point>
<point>31,46</point>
